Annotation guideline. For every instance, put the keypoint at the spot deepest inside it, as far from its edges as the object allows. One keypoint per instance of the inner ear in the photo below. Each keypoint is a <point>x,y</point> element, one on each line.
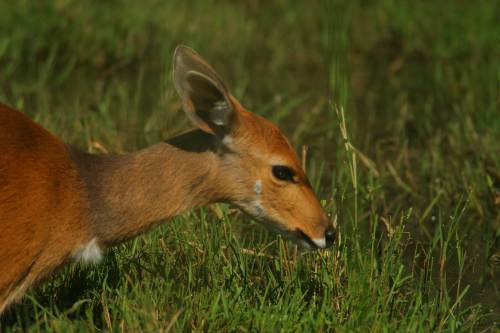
<point>210,103</point>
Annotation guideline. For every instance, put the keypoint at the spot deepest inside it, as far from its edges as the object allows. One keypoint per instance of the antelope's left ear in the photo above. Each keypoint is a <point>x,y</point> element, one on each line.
<point>205,98</point>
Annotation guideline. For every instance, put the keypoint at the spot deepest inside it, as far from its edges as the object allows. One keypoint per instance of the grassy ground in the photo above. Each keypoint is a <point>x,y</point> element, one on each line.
<point>397,103</point>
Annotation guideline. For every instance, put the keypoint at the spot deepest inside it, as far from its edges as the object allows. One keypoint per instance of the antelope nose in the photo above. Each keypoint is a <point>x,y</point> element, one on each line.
<point>329,236</point>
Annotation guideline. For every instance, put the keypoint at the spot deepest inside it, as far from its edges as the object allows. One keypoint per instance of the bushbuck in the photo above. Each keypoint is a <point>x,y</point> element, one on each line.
<point>58,203</point>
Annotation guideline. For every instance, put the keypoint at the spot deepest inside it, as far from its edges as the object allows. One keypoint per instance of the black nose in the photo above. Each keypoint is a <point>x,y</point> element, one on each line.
<point>329,236</point>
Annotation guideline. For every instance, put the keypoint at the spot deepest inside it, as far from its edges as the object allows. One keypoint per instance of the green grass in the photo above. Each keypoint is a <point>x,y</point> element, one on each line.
<point>396,102</point>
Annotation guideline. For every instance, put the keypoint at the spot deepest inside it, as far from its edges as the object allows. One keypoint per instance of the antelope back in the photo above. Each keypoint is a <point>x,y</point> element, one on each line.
<point>40,211</point>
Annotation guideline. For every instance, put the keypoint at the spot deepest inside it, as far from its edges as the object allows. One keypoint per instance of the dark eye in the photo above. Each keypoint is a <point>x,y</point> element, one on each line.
<point>283,173</point>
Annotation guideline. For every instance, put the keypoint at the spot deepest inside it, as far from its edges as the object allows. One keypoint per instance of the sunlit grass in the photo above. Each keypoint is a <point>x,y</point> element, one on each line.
<point>395,104</point>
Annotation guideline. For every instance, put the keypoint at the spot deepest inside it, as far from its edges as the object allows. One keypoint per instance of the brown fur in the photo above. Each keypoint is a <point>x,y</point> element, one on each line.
<point>41,218</point>
<point>55,199</point>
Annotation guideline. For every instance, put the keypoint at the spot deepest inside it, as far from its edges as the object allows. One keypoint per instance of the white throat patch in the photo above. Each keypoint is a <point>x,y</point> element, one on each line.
<point>89,253</point>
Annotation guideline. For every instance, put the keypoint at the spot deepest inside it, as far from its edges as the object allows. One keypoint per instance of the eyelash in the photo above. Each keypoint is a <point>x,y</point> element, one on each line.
<point>282,172</point>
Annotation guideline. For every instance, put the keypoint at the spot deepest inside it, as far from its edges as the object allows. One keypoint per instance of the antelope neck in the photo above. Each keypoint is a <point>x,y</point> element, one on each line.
<point>128,194</point>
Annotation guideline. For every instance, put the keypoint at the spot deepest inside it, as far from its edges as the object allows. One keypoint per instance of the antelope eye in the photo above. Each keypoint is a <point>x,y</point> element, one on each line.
<point>282,172</point>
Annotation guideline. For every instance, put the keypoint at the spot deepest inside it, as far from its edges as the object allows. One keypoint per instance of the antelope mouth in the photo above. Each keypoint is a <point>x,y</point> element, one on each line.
<point>310,243</point>
<point>298,236</point>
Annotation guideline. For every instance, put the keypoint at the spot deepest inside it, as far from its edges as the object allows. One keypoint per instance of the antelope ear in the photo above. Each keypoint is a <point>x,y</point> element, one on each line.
<point>205,98</point>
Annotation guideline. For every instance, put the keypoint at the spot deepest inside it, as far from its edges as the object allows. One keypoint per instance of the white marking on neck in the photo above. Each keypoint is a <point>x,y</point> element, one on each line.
<point>320,242</point>
<point>227,140</point>
<point>258,187</point>
<point>89,253</point>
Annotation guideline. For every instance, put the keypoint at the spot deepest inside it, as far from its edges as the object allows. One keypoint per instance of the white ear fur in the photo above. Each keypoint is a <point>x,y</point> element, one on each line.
<point>205,98</point>
<point>210,101</point>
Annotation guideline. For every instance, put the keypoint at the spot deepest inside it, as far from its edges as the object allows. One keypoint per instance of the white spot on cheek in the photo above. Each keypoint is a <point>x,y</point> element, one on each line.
<point>254,207</point>
<point>257,205</point>
<point>89,253</point>
<point>259,210</point>
<point>258,187</point>
<point>320,242</point>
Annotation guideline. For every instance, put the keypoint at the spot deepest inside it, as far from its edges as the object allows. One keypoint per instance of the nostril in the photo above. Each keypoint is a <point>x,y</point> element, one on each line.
<point>329,236</point>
